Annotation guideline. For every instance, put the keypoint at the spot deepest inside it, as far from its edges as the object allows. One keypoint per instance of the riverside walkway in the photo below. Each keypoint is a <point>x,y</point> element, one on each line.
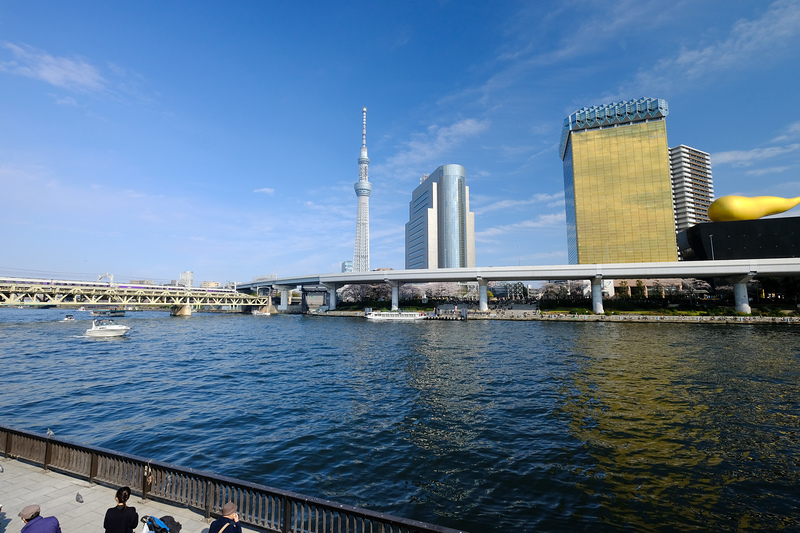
<point>23,484</point>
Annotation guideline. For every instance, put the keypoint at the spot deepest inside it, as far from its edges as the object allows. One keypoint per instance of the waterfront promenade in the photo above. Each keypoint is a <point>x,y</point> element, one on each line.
<point>23,484</point>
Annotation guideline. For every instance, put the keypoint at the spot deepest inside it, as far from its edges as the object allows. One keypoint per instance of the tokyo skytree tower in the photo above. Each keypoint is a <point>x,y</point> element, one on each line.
<point>363,189</point>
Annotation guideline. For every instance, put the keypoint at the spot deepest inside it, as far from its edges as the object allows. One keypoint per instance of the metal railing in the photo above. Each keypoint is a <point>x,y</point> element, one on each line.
<point>263,507</point>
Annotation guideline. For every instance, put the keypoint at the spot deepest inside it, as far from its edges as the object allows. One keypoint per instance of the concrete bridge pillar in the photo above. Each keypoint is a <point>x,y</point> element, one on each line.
<point>483,296</point>
<point>286,297</point>
<point>597,295</point>
<point>740,299</point>
<point>331,295</point>
<point>180,310</point>
<point>395,294</point>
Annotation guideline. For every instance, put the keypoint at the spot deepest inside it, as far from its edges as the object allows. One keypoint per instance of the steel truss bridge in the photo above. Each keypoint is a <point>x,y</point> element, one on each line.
<point>49,292</point>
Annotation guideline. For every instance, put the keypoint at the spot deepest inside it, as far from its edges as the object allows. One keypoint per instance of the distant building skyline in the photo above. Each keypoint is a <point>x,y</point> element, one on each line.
<point>186,279</point>
<point>692,185</point>
<point>617,185</point>
<point>440,232</point>
<point>347,266</point>
<point>363,189</point>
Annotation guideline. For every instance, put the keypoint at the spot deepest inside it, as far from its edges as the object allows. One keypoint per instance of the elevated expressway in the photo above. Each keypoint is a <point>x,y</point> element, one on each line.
<point>737,272</point>
<point>48,293</point>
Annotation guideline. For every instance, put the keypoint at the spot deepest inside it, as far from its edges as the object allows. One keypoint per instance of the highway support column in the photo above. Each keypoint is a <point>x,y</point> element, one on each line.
<point>597,294</point>
<point>483,297</point>
<point>331,295</point>
<point>740,299</point>
<point>286,295</point>
<point>395,293</point>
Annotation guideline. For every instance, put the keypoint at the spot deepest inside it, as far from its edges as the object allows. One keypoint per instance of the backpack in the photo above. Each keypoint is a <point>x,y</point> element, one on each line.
<point>155,525</point>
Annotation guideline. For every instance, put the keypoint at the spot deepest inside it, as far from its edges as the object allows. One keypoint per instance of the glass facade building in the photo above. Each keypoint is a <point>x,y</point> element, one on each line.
<point>440,232</point>
<point>617,184</point>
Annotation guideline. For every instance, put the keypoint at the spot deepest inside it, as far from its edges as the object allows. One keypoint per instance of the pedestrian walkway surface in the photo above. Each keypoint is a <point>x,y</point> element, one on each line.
<point>22,484</point>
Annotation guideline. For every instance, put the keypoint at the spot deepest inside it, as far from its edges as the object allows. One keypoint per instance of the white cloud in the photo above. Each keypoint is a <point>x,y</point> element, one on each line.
<point>747,157</point>
<point>542,221</point>
<point>429,148</point>
<point>73,74</point>
<point>749,43</point>
<point>791,132</point>
<point>770,170</point>
<point>548,199</point>
<point>265,190</point>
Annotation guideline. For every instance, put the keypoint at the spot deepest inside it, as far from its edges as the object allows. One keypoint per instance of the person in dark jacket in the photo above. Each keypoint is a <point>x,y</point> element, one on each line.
<point>228,522</point>
<point>38,524</point>
<point>121,519</point>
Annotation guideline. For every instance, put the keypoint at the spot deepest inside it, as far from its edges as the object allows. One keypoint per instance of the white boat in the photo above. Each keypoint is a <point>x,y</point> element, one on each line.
<point>396,315</point>
<point>68,318</point>
<point>256,312</point>
<point>106,328</point>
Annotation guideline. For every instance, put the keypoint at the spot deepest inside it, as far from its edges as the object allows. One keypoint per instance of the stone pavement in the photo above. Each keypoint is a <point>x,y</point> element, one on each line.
<point>23,484</point>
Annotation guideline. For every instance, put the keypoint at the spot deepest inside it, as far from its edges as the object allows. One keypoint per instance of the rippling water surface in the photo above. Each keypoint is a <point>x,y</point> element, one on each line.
<point>479,425</point>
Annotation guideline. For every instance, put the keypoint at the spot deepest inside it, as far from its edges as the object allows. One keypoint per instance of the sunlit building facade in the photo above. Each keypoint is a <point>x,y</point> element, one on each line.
<point>692,185</point>
<point>617,184</point>
<point>440,232</point>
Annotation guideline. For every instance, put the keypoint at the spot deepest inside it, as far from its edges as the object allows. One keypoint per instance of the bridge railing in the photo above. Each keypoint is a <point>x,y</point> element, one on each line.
<point>266,508</point>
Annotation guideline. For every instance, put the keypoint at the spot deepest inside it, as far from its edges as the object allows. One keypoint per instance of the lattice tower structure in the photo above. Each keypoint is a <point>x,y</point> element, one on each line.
<point>363,189</point>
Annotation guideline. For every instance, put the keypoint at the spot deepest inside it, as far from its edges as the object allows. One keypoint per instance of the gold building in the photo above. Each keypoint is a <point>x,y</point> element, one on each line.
<point>617,184</point>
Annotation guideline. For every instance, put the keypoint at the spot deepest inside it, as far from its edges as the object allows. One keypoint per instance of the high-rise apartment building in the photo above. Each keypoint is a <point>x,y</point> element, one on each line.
<point>692,185</point>
<point>440,232</point>
<point>617,185</point>
<point>187,279</point>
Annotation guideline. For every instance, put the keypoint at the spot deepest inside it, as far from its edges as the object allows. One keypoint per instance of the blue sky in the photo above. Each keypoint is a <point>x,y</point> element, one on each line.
<point>149,138</point>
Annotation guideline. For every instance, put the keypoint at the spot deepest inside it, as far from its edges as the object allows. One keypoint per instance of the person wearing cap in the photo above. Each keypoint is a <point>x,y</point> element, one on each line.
<point>38,524</point>
<point>228,522</point>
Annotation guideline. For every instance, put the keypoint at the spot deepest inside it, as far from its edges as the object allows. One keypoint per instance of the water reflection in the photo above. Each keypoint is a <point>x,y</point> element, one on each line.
<point>687,426</point>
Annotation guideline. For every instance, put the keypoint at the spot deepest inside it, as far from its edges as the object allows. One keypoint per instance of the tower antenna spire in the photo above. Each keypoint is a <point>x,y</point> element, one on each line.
<point>363,189</point>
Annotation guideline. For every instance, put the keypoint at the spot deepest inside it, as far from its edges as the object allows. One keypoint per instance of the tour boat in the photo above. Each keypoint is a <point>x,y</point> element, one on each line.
<point>108,312</point>
<point>396,315</point>
<point>106,328</point>
<point>256,312</point>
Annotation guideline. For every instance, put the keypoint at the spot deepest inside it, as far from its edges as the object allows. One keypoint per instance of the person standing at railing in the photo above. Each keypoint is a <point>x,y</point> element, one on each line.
<point>38,524</point>
<point>228,522</point>
<point>121,519</point>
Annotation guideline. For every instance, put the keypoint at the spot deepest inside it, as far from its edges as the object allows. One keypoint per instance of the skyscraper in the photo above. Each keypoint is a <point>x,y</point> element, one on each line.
<point>440,232</point>
<point>363,189</point>
<point>617,186</point>
<point>692,185</point>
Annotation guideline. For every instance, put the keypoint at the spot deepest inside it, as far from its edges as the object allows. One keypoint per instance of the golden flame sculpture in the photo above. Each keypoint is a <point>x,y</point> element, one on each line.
<point>727,208</point>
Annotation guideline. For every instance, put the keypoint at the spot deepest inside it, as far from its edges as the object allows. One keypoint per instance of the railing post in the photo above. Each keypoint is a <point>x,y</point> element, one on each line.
<point>93,468</point>
<point>209,498</point>
<point>147,478</point>
<point>9,438</point>
<point>287,514</point>
<point>48,453</point>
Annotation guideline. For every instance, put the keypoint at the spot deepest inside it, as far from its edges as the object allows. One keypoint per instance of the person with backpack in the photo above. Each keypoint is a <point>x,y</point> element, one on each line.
<point>228,522</point>
<point>121,519</point>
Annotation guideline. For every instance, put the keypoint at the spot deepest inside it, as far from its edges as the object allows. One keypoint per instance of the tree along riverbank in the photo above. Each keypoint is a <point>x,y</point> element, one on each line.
<point>529,314</point>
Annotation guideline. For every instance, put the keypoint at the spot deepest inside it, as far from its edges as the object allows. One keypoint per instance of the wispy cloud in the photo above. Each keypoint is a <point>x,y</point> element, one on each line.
<point>74,74</point>
<point>265,190</point>
<point>748,157</point>
<point>749,42</point>
<point>765,171</point>
<point>542,221</point>
<point>502,205</point>
<point>431,146</point>
<point>792,132</point>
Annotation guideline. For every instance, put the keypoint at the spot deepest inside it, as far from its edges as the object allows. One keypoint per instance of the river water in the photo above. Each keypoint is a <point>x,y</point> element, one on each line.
<point>479,425</point>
